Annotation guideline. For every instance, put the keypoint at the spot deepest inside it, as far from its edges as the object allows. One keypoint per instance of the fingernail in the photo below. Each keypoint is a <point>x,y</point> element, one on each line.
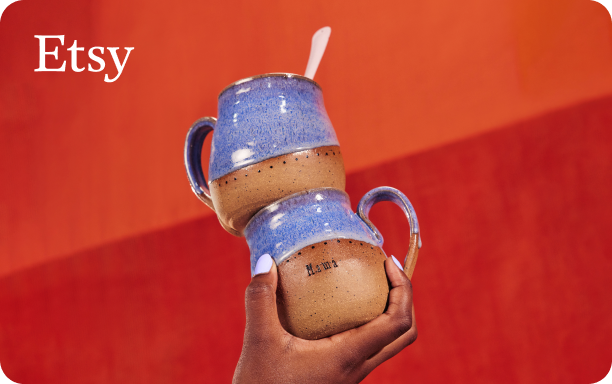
<point>394,260</point>
<point>264,264</point>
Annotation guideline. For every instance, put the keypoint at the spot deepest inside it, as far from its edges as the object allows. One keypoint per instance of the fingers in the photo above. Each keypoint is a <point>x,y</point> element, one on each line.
<point>400,295</point>
<point>394,348</point>
<point>261,316</point>
<point>372,337</point>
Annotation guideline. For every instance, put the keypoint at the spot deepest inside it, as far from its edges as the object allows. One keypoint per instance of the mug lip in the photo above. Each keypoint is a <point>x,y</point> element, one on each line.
<point>263,210</point>
<point>273,74</point>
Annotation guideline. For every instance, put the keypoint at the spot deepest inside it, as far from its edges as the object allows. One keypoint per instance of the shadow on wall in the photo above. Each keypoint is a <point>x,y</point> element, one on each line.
<point>512,284</point>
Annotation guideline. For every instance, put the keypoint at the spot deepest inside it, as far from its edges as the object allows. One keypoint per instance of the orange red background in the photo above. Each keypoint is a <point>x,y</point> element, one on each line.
<point>493,117</point>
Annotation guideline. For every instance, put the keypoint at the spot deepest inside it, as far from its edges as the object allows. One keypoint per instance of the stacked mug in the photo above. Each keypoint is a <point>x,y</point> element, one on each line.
<point>277,178</point>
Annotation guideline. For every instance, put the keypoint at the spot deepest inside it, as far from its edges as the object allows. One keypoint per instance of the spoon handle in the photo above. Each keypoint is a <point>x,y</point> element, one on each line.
<point>319,43</point>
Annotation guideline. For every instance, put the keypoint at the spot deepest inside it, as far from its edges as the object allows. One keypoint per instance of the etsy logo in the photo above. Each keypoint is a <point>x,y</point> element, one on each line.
<point>74,57</point>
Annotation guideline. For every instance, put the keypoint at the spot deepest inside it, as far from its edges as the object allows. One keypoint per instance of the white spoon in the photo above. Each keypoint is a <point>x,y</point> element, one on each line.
<point>319,43</point>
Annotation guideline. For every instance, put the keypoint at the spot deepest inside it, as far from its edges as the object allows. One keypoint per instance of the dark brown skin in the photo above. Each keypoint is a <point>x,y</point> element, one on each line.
<point>271,355</point>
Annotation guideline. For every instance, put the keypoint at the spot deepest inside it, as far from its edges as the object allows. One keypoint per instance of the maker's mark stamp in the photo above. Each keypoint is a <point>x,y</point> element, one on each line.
<point>324,266</point>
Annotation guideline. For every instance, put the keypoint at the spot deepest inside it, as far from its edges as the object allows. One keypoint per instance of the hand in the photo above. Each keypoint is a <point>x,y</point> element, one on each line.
<point>271,355</point>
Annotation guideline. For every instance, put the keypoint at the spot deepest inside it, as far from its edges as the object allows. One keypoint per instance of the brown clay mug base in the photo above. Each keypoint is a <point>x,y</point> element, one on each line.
<point>241,194</point>
<point>330,287</point>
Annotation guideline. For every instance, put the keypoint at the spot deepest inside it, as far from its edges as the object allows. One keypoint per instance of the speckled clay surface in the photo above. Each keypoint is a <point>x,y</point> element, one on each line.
<point>263,122</point>
<point>266,117</point>
<point>330,261</point>
<point>241,194</point>
<point>302,219</point>
<point>331,286</point>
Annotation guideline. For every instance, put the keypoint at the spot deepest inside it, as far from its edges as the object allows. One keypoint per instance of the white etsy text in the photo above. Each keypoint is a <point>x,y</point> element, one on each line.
<point>99,65</point>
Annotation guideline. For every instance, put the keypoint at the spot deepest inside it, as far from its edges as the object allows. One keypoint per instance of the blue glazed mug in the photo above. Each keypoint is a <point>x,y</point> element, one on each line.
<point>272,138</point>
<point>331,274</point>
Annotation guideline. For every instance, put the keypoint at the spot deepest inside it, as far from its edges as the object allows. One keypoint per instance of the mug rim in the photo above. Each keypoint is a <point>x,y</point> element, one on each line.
<point>262,211</point>
<point>273,74</point>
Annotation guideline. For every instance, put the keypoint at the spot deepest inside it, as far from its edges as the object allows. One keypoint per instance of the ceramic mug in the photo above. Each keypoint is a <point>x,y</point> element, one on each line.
<point>272,138</point>
<point>331,274</point>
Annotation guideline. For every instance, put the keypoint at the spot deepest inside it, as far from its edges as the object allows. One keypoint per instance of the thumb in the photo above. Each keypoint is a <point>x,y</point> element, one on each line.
<point>261,316</point>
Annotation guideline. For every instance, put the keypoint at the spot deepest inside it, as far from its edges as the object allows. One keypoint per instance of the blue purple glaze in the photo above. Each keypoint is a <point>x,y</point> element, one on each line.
<point>395,196</point>
<point>265,117</point>
<point>302,219</point>
<point>306,218</point>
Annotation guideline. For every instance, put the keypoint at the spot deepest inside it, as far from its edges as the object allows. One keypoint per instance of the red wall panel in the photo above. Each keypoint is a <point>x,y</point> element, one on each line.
<point>512,284</point>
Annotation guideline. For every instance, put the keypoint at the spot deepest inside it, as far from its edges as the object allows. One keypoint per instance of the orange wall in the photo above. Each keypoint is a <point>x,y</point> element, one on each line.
<point>83,162</point>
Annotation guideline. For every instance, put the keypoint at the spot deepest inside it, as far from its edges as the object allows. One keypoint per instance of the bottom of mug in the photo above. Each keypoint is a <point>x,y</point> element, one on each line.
<point>241,194</point>
<point>330,287</point>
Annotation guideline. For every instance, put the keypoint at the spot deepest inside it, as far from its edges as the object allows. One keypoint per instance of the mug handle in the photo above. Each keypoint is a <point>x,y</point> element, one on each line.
<point>395,196</point>
<point>193,158</point>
